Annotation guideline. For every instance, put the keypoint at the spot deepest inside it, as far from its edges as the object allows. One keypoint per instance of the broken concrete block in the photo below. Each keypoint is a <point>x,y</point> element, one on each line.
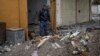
<point>76,43</point>
<point>75,34</point>
<point>42,42</point>
<point>83,42</point>
<point>94,43</point>
<point>73,44</point>
<point>2,50</point>
<point>18,44</point>
<point>54,46</point>
<point>35,53</point>
<point>47,36</point>
<point>57,45</point>
<point>81,48</point>
<point>75,52</point>
<point>66,37</point>
<point>27,47</point>
<point>7,49</point>
<point>87,37</point>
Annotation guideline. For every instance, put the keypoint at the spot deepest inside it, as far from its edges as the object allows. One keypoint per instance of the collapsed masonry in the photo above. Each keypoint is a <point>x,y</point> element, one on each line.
<point>75,40</point>
<point>72,41</point>
<point>72,44</point>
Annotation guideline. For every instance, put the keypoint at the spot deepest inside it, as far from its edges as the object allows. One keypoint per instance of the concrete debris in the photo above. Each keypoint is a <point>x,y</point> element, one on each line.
<point>42,42</point>
<point>7,49</point>
<point>75,52</point>
<point>56,45</point>
<point>27,47</point>
<point>75,34</point>
<point>18,43</point>
<point>35,53</point>
<point>47,48</point>
<point>11,45</point>
<point>87,37</point>
<point>47,36</point>
<point>94,43</point>
<point>65,37</point>
<point>72,43</point>
<point>83,42</point>
<point>78,41</point>
<point>33,41</point>
<point>4,49</point>
<point>48,55</point>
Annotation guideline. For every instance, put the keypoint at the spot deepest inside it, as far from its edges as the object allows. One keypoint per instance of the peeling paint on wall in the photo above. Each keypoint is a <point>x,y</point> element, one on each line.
<point>58,13</point>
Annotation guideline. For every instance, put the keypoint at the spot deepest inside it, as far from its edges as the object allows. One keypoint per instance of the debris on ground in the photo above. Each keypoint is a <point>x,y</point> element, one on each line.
<point>42,42</point>
<point>35,53</point>
<point>94,43</point>
<point>27,47</point>
<point>70,41</point>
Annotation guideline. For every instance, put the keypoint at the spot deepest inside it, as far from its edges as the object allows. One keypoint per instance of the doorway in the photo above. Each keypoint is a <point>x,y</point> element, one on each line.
<point>34,7</point>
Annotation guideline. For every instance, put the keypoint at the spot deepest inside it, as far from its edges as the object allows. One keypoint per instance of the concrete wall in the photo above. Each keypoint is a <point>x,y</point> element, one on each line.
<point>83,7</point>
<point>58,13</point>
<point>95,9</point>
<point>68,12</point>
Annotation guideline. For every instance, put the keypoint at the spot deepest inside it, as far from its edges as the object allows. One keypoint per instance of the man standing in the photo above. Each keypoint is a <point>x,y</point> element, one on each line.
<point>44,21</point>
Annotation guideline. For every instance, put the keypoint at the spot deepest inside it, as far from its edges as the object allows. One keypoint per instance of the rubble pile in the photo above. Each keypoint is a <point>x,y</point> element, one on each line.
<point>76,40</point>
<point>62,30</point>
<point>68,45</point>
<point>79,43</point>
<point>94,43</point>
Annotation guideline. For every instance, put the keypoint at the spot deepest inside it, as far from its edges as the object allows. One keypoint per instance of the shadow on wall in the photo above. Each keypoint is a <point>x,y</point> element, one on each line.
<point>34,6</point>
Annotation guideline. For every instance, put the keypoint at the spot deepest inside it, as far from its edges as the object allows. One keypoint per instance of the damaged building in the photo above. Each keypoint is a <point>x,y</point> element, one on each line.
<point>49,27</point>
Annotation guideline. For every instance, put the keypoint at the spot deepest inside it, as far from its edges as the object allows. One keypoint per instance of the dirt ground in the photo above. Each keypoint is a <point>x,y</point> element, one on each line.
<point>20,50</point>
<point>45,50</point>
<point>94,43</point>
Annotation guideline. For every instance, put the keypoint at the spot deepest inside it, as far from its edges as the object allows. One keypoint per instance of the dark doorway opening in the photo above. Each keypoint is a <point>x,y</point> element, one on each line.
<point>34,7</point>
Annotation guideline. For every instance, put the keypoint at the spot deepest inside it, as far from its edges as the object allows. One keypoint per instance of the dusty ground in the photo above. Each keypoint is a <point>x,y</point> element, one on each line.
<point>45,50</point>
<point>65,50</point>
<point>94,43</point>
<point>27,48</point>
<point>20,50</point>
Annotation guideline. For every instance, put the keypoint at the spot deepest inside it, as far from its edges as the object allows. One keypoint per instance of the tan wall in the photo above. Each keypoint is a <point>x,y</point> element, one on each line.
<point>9,12</point>
<point>23,16</point>
<point>68,12</point>
<point>53,14</point>
<point>14,13</point>
<point>83,6</point>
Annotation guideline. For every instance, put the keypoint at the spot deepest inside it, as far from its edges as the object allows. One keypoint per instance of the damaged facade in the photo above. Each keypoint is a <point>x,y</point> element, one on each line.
<point>74,28</point>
